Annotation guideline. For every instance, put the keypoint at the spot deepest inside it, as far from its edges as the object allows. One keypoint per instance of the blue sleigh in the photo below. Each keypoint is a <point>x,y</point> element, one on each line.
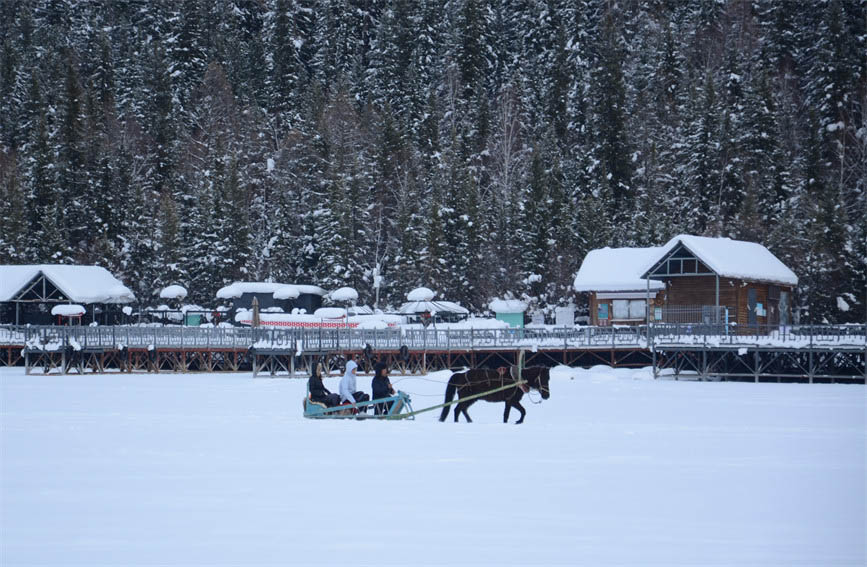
<point>398,407</point>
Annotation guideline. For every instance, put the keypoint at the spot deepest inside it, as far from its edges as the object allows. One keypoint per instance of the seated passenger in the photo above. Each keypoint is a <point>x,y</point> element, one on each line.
<point>318,391</point>
<point>347,386</point>
<point>382,388</point>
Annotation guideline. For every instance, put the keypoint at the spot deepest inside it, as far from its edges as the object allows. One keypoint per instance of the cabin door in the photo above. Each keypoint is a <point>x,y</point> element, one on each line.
<point>784,308</point>
<point>751,306</point>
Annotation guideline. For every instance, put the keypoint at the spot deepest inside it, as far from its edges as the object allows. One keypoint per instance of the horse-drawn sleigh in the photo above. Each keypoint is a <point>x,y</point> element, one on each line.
<point>506,385</point>
<point>398,406</point>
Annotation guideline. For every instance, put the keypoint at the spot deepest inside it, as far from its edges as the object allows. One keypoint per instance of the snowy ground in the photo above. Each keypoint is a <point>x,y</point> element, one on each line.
<point>221,469</point>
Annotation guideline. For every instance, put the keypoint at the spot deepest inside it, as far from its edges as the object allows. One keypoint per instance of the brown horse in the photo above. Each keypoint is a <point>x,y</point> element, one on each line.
<point>478,380</point>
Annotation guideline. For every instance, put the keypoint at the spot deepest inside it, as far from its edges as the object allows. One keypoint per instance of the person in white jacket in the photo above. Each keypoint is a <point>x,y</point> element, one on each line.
<point>348,392</point>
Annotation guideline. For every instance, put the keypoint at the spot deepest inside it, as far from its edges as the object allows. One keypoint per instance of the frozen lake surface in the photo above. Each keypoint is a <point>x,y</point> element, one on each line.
<point>613,469</point>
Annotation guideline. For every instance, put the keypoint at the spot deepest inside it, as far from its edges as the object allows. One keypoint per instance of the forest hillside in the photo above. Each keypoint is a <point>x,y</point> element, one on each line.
<point>477,147</point>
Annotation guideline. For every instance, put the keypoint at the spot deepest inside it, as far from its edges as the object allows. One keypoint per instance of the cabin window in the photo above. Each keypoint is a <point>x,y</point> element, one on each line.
<point>621,308</point>
<point>629,309</point>
<point>602,314</point>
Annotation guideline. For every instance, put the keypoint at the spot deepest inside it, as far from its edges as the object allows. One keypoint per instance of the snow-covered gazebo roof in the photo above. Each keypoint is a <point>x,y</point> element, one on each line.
<point>412,307</point>
<point>81,284</point>
<point>736,259</point>
<point>616,269</point>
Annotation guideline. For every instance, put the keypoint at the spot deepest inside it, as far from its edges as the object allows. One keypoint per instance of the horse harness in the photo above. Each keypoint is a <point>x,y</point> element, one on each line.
<point>502,372</point>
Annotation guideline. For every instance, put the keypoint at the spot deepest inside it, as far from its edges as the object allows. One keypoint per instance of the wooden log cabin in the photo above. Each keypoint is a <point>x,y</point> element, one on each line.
<point>693,279</point>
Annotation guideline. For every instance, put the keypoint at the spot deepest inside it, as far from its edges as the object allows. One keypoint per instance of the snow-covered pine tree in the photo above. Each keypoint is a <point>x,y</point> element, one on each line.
<point>612,146</point>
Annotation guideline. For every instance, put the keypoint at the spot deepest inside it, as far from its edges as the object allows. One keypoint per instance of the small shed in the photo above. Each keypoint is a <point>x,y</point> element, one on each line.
<point>29,292</point>
<point>509,310</point>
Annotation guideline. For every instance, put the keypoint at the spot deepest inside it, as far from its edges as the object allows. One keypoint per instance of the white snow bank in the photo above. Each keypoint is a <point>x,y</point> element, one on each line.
<point>616,269</point>
<point>330,312</point>
<point>222,469</point>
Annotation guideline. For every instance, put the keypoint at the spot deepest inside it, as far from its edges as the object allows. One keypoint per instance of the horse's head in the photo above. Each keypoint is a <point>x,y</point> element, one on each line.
<point>537,378</point>
<point>544,388</point>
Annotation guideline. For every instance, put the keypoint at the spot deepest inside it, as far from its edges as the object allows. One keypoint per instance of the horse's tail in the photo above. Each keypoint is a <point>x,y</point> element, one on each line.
<point>450,394</point>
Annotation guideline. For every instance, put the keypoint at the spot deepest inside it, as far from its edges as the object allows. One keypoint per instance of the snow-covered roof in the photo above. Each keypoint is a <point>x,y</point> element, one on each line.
<point>616,269</point>
<point>173,292</point>
<point>731,259</point>
<point>508,306</point>
<point>420,294</point>
<point>237,289</point>
<point>286,292</point>
<point>68,310</point>
<point>310,289</point>
<point>431,307</point>
<point>81,284</point>
<point>344,294</point>
<point>623,269</point>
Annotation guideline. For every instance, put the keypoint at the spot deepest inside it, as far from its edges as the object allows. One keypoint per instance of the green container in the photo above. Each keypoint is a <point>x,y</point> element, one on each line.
<point>513,319</point>
<point>192,319</point>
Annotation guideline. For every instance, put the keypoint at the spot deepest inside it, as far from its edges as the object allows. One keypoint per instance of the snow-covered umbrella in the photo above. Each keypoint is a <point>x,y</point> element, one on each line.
<point>344,294</point>
<point>173,292</point>
<point>420,294</point>
<point>68,310</point>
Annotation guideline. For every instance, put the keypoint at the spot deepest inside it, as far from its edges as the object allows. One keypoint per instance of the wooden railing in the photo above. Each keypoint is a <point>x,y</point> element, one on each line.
<point>430,339</point>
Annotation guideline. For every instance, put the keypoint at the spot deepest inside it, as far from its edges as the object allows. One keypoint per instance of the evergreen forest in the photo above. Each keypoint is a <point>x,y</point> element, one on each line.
<point>476,147</point>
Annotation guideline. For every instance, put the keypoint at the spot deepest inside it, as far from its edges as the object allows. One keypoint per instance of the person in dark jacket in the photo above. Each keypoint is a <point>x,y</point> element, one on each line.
<point>381,387</point>
<point>318,391</point>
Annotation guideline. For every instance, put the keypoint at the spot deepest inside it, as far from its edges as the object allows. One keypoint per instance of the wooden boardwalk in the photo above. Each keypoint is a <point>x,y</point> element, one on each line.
<point>826,354</point>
